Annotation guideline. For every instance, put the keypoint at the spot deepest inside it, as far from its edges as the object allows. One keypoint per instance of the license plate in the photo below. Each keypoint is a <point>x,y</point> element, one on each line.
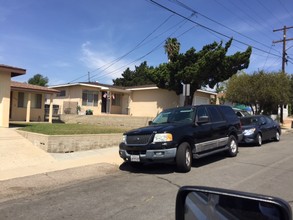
<point>134,158</point>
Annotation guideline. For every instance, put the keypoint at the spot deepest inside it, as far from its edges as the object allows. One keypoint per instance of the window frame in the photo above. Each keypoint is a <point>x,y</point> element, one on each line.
<point>92,95</point>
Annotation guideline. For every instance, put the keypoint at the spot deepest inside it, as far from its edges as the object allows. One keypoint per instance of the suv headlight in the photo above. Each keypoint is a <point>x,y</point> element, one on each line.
<point>249,131</point>
<point>165,137</point>
<point>124,139</point>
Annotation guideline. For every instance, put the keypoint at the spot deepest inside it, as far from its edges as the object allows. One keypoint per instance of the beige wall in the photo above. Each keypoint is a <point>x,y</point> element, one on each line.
<point>74,94</point>
<point>5,78</point>
<point>19,114</point>
<point>151,102</point>
<point>201,98</point>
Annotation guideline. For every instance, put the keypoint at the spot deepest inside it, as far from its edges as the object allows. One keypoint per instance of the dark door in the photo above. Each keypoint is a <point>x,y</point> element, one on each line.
<point>202,134</point>
<point>265,128</point>
<point>219,128</point>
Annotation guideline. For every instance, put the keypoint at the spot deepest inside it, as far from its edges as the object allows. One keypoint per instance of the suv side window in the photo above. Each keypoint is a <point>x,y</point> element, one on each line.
<point>215,114</point>
<point>228,112</point>
<point>201,112</point>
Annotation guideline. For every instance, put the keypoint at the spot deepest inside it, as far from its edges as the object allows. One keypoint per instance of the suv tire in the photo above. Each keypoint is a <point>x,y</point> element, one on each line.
<point>233,146</point>
<point>184,157</point>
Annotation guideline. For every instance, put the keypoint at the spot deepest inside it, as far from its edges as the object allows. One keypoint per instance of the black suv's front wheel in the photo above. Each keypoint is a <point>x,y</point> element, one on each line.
<point>184,157</point>
<point>233,146</point>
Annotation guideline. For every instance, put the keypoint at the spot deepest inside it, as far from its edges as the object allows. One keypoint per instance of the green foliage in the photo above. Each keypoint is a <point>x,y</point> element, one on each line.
<point>172,48</point>
<point>264,91</point>
<point>39,80</point>
<point>135,78</point>
<point>208,66</point>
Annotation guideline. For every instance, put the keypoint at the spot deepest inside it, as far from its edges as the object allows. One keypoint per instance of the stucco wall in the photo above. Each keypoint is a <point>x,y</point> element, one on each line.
<point>74,94</point>
<point>72,143</point>
<point>151,102</point>
<point>201,98</point>
<point>19,114</point>
<point>4,98</point>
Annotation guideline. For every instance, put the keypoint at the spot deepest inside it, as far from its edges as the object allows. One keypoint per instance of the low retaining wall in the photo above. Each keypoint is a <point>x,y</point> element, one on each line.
<point>72,143</point>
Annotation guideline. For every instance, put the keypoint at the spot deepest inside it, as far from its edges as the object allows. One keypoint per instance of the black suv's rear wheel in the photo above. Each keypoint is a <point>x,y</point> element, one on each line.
<point>233,146</point>
<point>184,157</point>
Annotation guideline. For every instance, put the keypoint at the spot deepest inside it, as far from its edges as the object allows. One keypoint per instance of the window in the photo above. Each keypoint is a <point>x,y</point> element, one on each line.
<point>89,98</point>
<point>116,99</point>
<point>21,102</point>
<point>37,101</point>
<point>62,93</point>
<point>215,114</point>
<point>201,112</point>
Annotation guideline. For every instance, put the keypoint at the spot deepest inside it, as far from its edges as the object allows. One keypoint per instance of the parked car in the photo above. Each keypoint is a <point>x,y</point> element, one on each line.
<point>181,134</point>
<point>241,113</point>
<point>259,128</point>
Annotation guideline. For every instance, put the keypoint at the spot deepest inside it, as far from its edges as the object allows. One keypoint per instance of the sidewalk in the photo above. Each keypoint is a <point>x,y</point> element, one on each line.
<point>20,158</point>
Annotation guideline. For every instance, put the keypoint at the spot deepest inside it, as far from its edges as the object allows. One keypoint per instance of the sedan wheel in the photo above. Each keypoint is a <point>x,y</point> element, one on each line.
<point>258,139</point>
<point>277,136</point>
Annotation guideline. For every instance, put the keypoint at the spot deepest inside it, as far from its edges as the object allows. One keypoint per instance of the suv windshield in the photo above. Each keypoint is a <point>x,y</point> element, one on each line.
<point>175,115</point>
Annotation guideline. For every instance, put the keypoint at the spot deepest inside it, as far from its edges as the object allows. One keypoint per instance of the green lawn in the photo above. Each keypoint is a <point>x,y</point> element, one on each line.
<point>67,129</point>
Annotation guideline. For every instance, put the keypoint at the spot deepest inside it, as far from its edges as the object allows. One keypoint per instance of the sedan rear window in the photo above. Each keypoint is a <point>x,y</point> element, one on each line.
<point>249,121</point>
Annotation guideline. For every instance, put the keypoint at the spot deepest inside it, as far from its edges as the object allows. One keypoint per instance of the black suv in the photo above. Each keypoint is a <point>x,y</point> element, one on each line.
<point>180,134</point>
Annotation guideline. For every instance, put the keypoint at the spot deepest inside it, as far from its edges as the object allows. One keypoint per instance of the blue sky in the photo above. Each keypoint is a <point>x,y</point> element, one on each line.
<point>70,40</point>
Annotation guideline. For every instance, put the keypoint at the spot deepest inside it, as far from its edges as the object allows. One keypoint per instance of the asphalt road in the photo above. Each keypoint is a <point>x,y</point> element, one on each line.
<point>104,191</point>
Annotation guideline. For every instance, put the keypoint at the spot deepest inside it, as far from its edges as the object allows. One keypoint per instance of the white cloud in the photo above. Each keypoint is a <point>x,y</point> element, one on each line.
<point>102,65</point>
<point>61,64</point>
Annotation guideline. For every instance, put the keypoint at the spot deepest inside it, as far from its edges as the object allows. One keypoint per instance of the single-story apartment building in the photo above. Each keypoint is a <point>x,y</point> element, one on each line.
<point>21,101</point>
<point>147,101</point>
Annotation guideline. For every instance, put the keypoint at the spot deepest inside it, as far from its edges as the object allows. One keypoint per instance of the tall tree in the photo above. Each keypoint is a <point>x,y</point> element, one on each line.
<point>135,77</point>
<point>264,91</point>
<point>39,80</point>
<point>208,66</point>
<point>172,48</point>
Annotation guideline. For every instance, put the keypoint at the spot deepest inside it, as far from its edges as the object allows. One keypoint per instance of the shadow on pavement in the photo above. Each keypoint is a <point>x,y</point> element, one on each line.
<point>167,168</point>
<point>196,163</point>
<point>149,168</point>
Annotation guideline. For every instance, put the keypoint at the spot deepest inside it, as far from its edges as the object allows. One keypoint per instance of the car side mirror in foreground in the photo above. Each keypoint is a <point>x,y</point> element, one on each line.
<point>194,202</point>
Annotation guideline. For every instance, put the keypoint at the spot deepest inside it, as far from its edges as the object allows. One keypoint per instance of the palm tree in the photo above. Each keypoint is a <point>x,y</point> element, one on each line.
<point>172,47</point>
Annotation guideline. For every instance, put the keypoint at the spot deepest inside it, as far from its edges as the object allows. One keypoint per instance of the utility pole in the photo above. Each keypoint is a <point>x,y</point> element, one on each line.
<point>284,59</point>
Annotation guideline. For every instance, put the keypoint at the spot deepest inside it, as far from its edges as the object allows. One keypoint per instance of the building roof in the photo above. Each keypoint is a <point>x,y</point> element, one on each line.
<point>29,87</point>
<point>101,86</point>
<point>15,71</point>
<point>119,88</point>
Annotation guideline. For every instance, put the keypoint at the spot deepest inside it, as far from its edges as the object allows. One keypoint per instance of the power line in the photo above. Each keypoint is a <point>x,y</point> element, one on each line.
<point>181,23</point>
<point>282,4</point>
<point>268,10</point>
<point>107,66</point>
<point>153,50</point>
<point>137,46</point>
<point>210,29</point>
<point>225,26</point>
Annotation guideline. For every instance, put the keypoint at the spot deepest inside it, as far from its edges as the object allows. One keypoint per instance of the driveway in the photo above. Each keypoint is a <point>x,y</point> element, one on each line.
<point>19,157</point>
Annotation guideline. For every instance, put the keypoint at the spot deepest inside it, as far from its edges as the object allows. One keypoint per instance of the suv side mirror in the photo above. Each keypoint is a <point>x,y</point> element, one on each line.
<point>214,203</point>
